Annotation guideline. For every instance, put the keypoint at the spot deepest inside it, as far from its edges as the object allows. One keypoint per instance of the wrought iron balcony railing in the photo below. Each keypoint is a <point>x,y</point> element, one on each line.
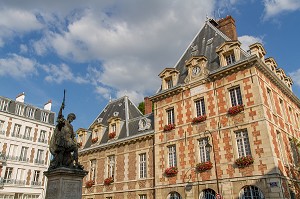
<point>39,161</point>
<point>36,183</point>
<point>17,135</point>
<point>14,181</point>
<point>42,140</point>
<point>25,137</point>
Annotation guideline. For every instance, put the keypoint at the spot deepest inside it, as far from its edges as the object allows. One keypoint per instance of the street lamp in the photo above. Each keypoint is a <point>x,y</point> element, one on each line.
<point>213,150</point>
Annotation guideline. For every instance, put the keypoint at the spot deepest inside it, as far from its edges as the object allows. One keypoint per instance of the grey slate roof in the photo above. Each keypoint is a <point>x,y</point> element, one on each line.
<point>129,116</point>
<point>205,44</point>
<point>37,114</point>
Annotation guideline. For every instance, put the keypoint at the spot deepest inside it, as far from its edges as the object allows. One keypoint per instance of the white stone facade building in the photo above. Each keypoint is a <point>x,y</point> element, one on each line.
<point>25,132</point>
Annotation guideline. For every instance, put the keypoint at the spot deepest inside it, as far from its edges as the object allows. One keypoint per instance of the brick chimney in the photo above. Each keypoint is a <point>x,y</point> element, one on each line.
<point>227,26</point>
<point>148,105</point>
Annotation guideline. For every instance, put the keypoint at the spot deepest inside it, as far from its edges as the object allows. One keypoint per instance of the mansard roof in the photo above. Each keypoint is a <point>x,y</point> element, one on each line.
<point>129,115</point>
<point>205,43</point>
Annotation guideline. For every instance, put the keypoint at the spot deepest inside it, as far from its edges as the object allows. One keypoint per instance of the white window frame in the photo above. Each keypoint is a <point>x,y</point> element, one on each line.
<point>143,196</point>
<point>143,165</point>
<point>29,112</point>
<point>40,156</point>
<point>17,130</point>
<point>169,83</point>
<point>200,107</point>
<point>111,166</point>
<point>93,164</point>
<point>3,105</point>
<point>23,154</point>
<point>42,136</point>
<point>243,143</point>
<point>204,151</point>
<point>44,117</point>
<point>19,109</point>
<point>36,176</point>
<point>255,193</point>
<point>230,58</point>
<point>269,97</point>
<point>235,96</point>
<point>172,159</point>
<point>8,173</point>
<point>170,116</point>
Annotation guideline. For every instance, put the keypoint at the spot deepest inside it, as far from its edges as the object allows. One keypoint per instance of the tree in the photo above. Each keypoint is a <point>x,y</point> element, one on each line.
<point>141,107</point>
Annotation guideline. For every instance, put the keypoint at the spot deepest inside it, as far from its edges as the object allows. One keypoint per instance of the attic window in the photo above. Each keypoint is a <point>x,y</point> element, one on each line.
<point>230,58</point>
<point>116,114</point>
<point>99,120</point>
<point>169,83</point>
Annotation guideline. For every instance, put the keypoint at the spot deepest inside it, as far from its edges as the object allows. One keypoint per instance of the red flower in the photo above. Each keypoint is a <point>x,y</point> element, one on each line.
<point>79,144</point>
<point>112,135</point>
<point>201,118</point>
<point>108,181</point>
<point>171,171</point>
<point>203,166</point>
<point>235,109</point>
<point>94,140</point>
<point>244,161</point>
<point>169,127</point>
<point>89,183</point>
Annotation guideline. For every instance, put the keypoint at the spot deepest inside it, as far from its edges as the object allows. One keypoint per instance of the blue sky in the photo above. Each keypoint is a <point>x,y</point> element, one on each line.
<point>98,50</point>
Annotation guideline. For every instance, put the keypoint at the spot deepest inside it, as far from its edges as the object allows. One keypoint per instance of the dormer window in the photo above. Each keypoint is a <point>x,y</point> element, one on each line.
<point>29,112</point>
<point>113,127</point>
<point>258,50</point>
<point>169,83</point>
<point>169,78</point>
<point>19,109</point>
<point>44,117</point>
<point>230,58</point>
<point>229,52</point>
<point>3,105</point>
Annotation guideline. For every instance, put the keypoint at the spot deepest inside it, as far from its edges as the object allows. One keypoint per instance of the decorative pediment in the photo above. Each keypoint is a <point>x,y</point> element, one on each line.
<point>271,63</point>
<point>144,124</point>
<point>258,50</point>
<point>227,46</point>
<point>197,68</point>
<point>169,77</point>
<point>168,72</point>
<point>229,52</point>
<point>280,73</point>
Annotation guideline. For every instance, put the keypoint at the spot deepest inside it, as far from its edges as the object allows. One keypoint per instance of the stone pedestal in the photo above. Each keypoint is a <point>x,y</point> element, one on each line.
<point>64,183</point>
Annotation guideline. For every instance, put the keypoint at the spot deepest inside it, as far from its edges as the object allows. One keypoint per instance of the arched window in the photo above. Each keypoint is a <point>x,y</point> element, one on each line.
<point>251,192</point>
<point>174,195</point>
<point>207,194</point>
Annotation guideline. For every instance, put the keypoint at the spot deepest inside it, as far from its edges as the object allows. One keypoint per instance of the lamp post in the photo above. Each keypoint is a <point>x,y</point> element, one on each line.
<point>213,150</point>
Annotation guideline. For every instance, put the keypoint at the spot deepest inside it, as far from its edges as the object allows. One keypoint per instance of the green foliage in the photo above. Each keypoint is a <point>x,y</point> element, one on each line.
<point>141,107</point>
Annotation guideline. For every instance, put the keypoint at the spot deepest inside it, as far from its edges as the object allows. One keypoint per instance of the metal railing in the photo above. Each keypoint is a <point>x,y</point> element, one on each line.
<point>23,159</point>
<point>2,132</point>
<point>39,161</point>
<point>36,183</point>
<point>2,157</point>
<point>42,140</point>
<point>13,134</point>
<point>14,181</point>
<point>26,137</point>
<point>12,157</point>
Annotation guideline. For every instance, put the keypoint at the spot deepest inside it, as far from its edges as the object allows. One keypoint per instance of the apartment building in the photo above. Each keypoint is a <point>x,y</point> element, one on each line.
<point>25,132</point>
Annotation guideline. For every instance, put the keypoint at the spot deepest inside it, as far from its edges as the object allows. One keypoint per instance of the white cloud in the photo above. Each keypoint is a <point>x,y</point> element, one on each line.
<point>104,92</point>
<point>296,77</point>
<point>247,40</point>
<point>134,96</point>
<point>23,48</point>
<point>275,7</point>
<point>17,66</point>
<point>61,73</point>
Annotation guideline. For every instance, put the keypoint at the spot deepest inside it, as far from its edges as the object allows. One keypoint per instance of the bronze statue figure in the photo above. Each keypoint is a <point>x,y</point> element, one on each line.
<point>63,145</point>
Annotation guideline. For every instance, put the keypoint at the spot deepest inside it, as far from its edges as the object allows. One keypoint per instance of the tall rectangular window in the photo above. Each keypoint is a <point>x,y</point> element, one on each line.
<point>269,97</point>
<point>200,107</point>
<point>293,148</point>
<point>44,117</point>
<point>235,96</point>
<point>27,133</point>
<point>230,58</point>
<point>23,155</point>
<point>169,83</point>
<point>42,137</point>
<point>17,129</point>
<point>2,130</point>
<point>172,156</point>
<point>242,141</point>
<point>111,165</point>
<point>170,116</point>
<point>113,127</point>
<point>19,109</point>
<point>282,109</point>
<point>204,150</point>
<point>142,166</point>
<point>21,174</point>
<point>8,173</point>
<point>36,176</point>
<point>12,152</point>
<point>39,157</point>
<point>281,147</point>
<point>3,105</point>
<point>29,112</point>
<point>93,170</point>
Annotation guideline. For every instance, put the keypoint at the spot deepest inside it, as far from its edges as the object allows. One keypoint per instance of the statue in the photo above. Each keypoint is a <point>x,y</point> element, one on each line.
<point>63,145</point>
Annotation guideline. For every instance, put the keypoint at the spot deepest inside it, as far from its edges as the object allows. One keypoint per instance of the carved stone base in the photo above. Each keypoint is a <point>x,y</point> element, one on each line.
<point>64,183</point>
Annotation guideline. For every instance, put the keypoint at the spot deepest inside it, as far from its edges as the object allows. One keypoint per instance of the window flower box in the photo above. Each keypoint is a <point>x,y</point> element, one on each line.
<point>199,119</point>
<point>235,109</point>
<point>169,127</point>
<point>203,166</point>
<point>94,140</point>
<point>89,183</point>
<point>171,171</point>
<point>112,135</point>
<point>244,161</point>
<point>108,181</point>
<point>79,144</point>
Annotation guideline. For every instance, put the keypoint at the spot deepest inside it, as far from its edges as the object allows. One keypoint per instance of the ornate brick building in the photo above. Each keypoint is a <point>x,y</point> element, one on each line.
<point>25,131</point>
<point>226,121</point>
<point>117,150</point>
